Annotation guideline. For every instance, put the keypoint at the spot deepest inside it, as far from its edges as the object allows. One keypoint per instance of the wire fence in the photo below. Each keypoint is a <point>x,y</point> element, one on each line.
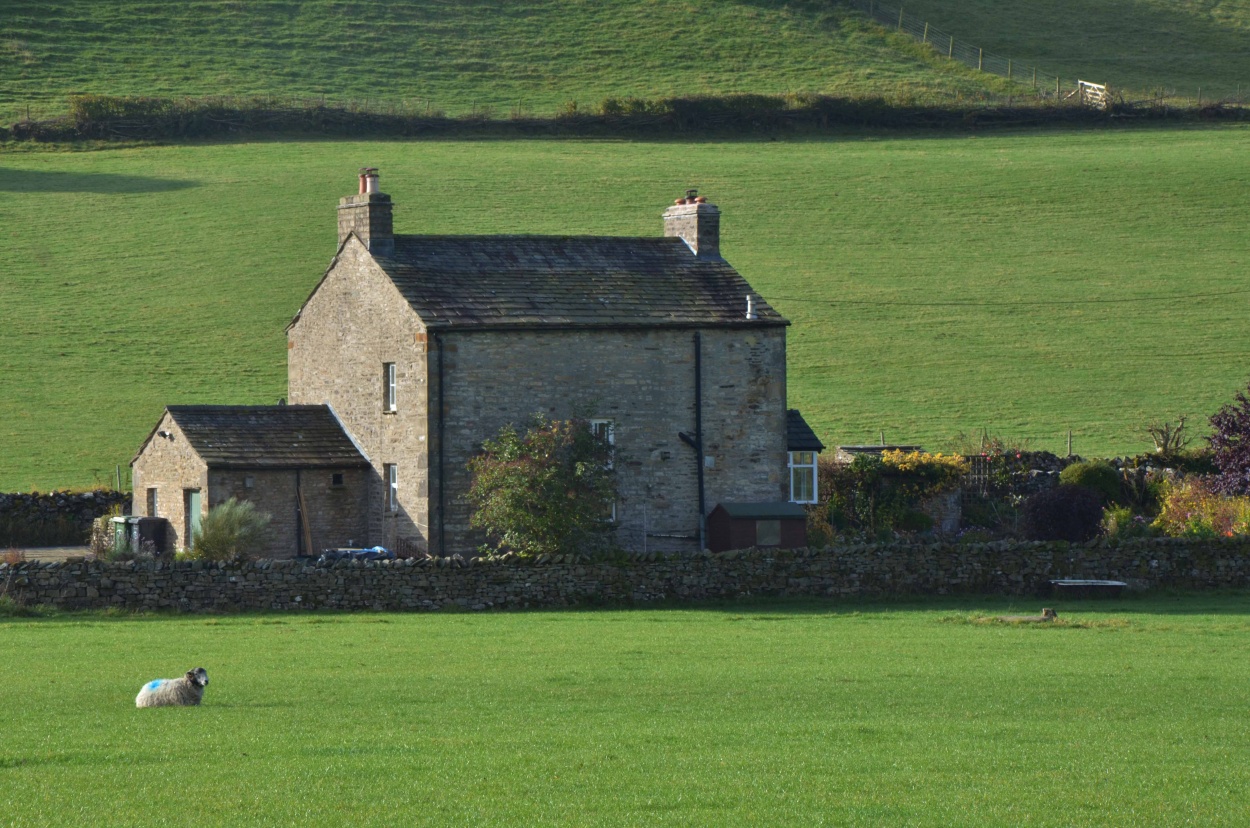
<point>1044,84</point>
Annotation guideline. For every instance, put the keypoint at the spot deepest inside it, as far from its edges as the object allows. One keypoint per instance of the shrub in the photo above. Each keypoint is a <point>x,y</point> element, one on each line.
<point>878,495</point>
<point>1193,508</point>
<point>1066,512</point>
<point>1230,446</point>
<point>229,531</point>
<point>549,491</point>
<point>1120,523</point>
<point>1098,475</point>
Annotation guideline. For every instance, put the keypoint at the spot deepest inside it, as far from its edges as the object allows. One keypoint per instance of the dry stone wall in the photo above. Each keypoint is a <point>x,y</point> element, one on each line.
<point>414,584</point>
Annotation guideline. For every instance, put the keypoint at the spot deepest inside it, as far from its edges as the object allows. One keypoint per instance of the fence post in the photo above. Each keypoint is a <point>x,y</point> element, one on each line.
<point>950,52</point>
<point>1069,442</point>
<point>900,20</point>
<point>1056,87</point>
<point>1008,69</point>
<point>1034,77</point>
<point>980,59</point>
<point>925,39</point>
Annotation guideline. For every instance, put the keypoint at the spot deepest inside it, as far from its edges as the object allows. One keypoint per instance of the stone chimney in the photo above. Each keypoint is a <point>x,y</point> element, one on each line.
<point>368,215</point>
<point>697,222</point>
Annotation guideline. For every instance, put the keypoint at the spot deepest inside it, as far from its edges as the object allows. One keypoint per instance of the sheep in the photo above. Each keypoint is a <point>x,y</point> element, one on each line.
<point>183,691</point>
<point>1048,614</point>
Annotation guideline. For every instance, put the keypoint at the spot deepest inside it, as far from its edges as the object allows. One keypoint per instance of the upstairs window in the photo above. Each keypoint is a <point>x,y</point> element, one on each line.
<point>151,502</point>
<point>389,402</point>
<point>802,477</point>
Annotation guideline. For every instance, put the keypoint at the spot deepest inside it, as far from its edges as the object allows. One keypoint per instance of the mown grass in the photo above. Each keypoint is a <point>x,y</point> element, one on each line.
<point>1026,284</point>
<point>796,714</point>
<point>1177,46</point>
<point>501,54</point>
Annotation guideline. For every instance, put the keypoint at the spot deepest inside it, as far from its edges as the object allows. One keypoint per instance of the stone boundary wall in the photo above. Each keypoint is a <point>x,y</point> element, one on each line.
<point>25,516</point>
<point>1001,568</point>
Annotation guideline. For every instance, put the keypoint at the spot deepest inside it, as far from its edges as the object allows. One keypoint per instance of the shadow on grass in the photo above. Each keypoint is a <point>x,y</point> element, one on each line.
<point>37,181</point>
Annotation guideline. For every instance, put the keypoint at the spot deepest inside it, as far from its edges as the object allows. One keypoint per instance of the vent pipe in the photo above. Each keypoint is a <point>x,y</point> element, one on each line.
<point>750,307</point>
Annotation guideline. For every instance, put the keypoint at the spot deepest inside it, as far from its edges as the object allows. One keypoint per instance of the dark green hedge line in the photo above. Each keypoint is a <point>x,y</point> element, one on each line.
<point>100,117</point>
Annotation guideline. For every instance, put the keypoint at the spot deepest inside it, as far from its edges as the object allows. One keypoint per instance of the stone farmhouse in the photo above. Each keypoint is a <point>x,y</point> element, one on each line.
<point>421,347</point>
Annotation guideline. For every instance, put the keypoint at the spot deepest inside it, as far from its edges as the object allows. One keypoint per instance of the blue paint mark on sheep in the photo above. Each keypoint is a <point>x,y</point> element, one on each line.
<point>153,684</point>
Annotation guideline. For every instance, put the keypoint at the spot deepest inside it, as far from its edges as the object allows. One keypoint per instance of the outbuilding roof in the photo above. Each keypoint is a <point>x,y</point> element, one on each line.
<point>763,511</point>
<point>569,281</point>
<point>267,436</point>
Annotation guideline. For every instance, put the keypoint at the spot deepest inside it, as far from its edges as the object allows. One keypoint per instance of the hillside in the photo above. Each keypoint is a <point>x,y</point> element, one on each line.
<point>1139,45</point>
<point>535,55</point>
<point>1025,284</point>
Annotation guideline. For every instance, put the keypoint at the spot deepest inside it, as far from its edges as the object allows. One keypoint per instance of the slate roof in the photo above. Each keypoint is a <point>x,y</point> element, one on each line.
<point>267,437</point>
<point>799,435</point>
<point>568,281</point>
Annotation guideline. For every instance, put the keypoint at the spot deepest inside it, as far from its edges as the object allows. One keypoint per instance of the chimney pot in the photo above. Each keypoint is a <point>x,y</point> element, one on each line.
<point>368,215</point>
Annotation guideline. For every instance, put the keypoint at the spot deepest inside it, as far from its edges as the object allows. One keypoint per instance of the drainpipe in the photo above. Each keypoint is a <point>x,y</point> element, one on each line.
<point>442,521</point>
<point>696,442</point>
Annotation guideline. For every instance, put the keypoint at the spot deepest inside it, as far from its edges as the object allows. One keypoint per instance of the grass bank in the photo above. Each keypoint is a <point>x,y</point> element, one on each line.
<point>1028,284</point>
<point>1123,714</point>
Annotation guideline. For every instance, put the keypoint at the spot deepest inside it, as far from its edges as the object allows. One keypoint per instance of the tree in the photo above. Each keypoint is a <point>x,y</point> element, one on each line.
<point>549,491</point>
<point>1230,446</point>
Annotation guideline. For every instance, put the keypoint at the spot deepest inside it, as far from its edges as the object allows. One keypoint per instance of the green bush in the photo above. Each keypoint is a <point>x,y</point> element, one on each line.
<point>1098,475</point>
<point>547,491</point>
<point>1120,523</point>
<point>230,531</point>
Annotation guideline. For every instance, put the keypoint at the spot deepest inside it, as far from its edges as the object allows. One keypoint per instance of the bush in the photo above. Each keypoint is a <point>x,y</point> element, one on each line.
<point>230,531</point>
<point>1120,523</point>
<point>548,492</point>
<point>1066,512</point>
<point>879,495</point>
<point>1098,475</point>
<point>1194,509</point>
<point>1230,445</point>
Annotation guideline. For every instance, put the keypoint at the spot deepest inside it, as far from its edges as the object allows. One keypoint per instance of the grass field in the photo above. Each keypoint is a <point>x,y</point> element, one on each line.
<point>1140,45</point>
<point>1027,284</point>
<point>1127,714</point>
<point>503,54</point>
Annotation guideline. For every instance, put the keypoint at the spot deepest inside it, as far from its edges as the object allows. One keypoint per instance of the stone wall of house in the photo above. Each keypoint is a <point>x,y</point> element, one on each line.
<point>171,467</point>
<point>336,513</point>
<point>355,323</point>
<point>643,381</point>
<point>1004,568</point>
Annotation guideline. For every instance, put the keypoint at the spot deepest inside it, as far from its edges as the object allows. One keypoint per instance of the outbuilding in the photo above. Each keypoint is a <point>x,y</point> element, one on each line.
<point>746,525</point>
<point>294,462</point>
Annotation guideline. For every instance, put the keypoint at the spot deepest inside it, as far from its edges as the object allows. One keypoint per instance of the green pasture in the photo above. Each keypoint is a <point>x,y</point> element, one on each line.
<point>1175,46</point>
<point>1124,714</point>
<point>532,55</point>
<point>1026,284</point>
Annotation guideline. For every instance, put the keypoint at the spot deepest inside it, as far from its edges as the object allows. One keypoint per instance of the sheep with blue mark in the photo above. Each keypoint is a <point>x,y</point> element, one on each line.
<point>180,692</point>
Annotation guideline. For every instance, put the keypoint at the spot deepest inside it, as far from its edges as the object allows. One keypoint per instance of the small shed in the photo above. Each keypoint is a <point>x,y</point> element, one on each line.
<point>744,525</point>
<point>294,462</point>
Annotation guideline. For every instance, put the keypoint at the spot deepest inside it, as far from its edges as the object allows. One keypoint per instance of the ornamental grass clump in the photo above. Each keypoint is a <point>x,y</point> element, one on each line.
<point>230,531</point>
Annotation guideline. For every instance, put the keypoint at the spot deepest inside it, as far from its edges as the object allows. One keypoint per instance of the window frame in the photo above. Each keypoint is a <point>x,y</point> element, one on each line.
<point>390,388</point>
<point>809,468</point>
<point>392,487</point>
<point>609,431</point>
<point>153,499</point>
